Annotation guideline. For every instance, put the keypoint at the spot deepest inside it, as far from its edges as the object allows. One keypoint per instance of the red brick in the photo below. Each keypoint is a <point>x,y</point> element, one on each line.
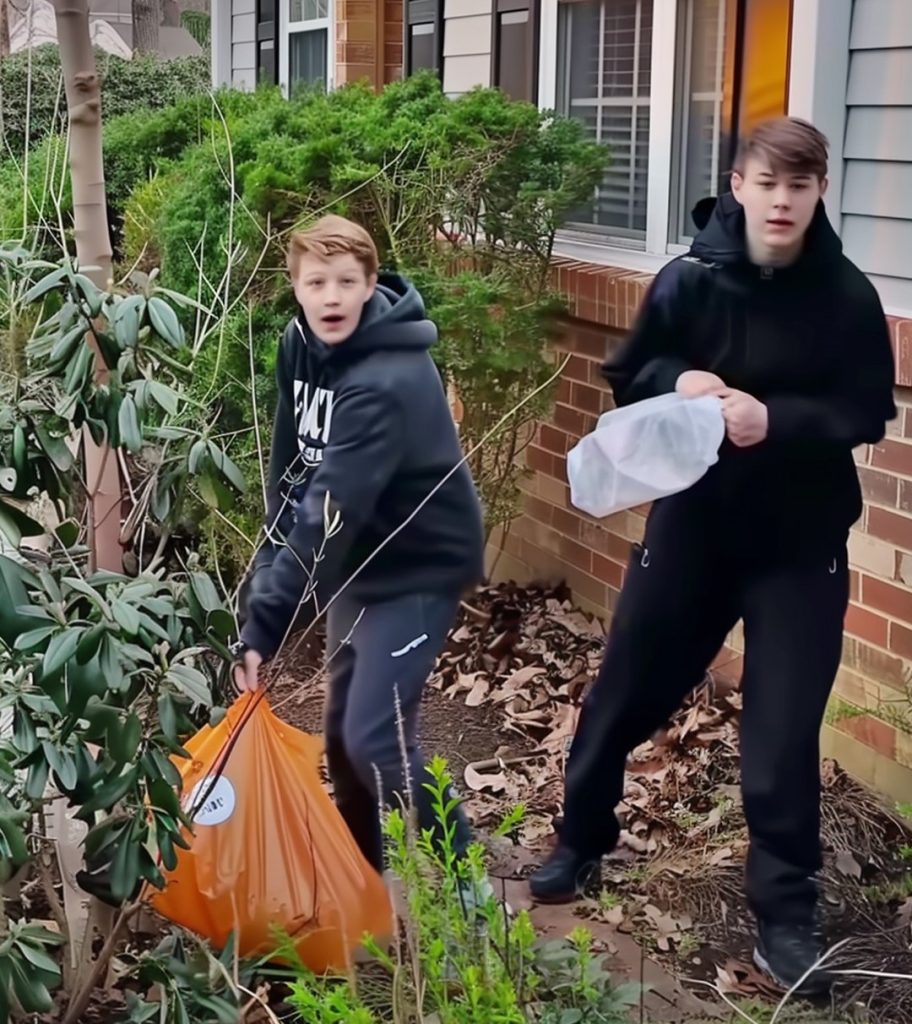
<point>897,529</point>
<point>609,571</point>
<point>901,640</point>
<point>576,554</point>
<point>577,368</point>
<point>564,391</point>
<point>588,399</point>
<point>895,601</point>
<point>571,420</point>
<point>586,342</point>
<point>905,495</point>
<point>553,440</point>
<point>595,536</point>
<point>894,456</point>
<point>597,380</point>
<point>538,459</point>
<point>867,625</point>
<point>566,522</point>
<point>538,510</point>
<point>881,488</point>
<point>854,585</point>
<point>903,351</point>
<point>872,732</point>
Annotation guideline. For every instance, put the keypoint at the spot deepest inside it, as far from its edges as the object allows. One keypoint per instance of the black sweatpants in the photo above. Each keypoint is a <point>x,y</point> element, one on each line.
<point>380,653</point>
<point>685,589</point>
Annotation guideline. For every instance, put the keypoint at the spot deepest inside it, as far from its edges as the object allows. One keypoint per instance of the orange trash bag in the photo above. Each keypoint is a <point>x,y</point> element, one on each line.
<point>269,849</point>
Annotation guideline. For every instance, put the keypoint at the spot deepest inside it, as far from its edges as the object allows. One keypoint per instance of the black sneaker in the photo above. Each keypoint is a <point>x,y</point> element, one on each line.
<point>787,952</point>
<point>564,876</point>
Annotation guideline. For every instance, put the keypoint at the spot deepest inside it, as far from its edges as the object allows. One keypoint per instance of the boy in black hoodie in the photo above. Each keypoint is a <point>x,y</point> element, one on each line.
<point>768,314</point>
<point>370,511</point>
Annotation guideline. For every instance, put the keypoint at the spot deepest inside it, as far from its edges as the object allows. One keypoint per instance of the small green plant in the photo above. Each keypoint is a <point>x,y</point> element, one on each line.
<point>463,957</point>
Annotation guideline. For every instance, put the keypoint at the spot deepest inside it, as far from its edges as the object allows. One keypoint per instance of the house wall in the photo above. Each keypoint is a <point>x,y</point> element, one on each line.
<point>877,191</point>
<point>466,45</point>
<point>243,43</point>
<point>369,41</point>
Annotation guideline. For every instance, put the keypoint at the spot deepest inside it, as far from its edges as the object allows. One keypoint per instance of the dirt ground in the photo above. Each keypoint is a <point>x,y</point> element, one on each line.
<point>501,709</point>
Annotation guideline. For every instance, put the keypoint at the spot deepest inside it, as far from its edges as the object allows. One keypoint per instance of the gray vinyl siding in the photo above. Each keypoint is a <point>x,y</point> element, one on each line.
<point>243,43</point>
<point>467,45</point>
<point>877,188</point>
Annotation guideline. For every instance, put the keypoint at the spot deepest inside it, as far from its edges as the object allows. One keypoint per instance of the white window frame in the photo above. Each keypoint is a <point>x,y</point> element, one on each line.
<point>657,249</point>
<point>287,28</point>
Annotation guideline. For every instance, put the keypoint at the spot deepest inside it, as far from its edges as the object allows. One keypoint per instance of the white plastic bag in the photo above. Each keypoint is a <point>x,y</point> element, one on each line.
<point>645,451</point>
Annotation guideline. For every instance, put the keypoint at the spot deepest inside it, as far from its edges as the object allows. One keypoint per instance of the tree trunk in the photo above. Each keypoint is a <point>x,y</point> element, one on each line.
<point>146,19</point>
<point>4,28</point>
<point>93,252</point>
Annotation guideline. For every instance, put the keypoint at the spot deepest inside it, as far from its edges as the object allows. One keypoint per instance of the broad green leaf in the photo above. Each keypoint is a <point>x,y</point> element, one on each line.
<point>125,866</point>
<point>165,397</point>
<point>128,424</point>
<point>34,638</point>
<point>191,682</point>
<point>37,779</point>
<point>167,716</point>
<point>109,793</point>
<point>126,616</point>
<point>92,294</point>
<point>165,323</point>
<point>61,762</point>
<point>67,532</point>
<point>126,320</point>
<point>226,468</point>
<point>47,284</point>
<point>198,453</point>
<point>59,651</point>
<point>55,448</point>
<point>124,739</point>
<point>221,622</point>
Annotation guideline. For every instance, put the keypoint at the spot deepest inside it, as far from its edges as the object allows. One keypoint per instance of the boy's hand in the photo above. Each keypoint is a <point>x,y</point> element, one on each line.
<point>746,418</point>
<point>247,672</point>
<point>697,383</point>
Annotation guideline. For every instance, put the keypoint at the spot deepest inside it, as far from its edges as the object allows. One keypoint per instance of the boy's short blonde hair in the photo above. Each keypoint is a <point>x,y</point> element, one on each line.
<point>333,236</point>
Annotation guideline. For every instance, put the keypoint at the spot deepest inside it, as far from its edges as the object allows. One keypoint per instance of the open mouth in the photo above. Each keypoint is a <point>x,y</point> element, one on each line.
<point>781,223</point>
<point>332,320</point>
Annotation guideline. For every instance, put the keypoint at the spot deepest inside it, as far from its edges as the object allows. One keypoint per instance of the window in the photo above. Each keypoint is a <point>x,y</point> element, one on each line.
<point>309,42</point>
<point>668,86</point>
<point>267,20</point>
<point>514,48</point>
<point>603,80</point>
<point>424,36</point>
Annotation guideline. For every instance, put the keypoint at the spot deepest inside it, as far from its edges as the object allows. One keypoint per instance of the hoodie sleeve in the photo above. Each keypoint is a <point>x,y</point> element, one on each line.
<point>651,359</point>
<point>357,465</point>
<point>860,404</point>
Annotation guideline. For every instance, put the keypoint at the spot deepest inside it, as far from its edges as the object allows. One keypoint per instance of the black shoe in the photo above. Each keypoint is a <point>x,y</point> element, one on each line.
<point>787,952</point>
<point>564,876</point>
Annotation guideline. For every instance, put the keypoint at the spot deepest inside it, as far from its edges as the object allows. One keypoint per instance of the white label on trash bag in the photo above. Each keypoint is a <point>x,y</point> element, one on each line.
<point>219,803</point>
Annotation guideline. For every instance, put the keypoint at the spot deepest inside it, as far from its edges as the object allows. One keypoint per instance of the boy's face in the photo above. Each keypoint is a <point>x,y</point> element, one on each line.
<point>778,207</point>
<point>332,294</point>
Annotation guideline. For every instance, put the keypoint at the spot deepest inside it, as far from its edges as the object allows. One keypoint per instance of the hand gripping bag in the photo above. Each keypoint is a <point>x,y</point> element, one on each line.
<point>269,849</point>
<point>643,452</point>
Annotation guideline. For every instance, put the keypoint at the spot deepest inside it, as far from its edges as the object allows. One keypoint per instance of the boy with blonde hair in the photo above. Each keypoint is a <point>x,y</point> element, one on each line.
<point>363,431</point>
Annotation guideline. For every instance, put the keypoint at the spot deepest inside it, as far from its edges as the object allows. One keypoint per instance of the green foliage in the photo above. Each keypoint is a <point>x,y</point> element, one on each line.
<point>28,971</point>
<point>145,82</point>
<point>196,986</point>
<point>199,25</point>
<point>103,673</point>
<point>463,958</point>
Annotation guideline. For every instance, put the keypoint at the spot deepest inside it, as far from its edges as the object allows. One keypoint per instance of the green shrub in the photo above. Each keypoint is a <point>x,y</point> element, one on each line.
<point>147,82</point>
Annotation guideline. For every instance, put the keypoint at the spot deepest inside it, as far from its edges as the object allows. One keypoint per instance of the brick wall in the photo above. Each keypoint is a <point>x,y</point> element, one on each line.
<point>369,40</point>
<point>870,720</point>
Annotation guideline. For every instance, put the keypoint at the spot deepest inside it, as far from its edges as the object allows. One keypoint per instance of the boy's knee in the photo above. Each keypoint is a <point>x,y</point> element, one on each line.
<point>369,752</point>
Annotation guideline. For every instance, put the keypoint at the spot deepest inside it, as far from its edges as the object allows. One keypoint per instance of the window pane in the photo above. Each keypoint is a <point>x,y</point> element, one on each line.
<point>266,63</point>
<point>699,98</point>
<point>604,71</point>
<point>422,48</point>
<point>307,58</point>
<point>308,10</point>
<point>514,49</point>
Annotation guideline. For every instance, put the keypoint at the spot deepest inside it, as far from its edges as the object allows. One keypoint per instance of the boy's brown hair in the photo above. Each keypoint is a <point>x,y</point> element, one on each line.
<point>333,236</point>
<point>791,146</point>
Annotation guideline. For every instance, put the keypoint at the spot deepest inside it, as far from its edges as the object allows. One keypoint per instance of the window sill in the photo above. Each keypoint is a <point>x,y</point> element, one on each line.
<point>605,254</point>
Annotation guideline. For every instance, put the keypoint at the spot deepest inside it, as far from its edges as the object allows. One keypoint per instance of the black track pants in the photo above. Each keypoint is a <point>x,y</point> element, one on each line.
<point>683,593</point>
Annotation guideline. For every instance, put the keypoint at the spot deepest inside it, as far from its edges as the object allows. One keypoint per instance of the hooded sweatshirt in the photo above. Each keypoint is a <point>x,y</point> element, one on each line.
<point>809,340</point>
<point>363,431</point>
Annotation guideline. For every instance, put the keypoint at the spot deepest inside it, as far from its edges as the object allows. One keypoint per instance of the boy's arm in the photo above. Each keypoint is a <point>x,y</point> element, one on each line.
<point>650,360</point>
<point>357,465</point>
<point>861,404</point>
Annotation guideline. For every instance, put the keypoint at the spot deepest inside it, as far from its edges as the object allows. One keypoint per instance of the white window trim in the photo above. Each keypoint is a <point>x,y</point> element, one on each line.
<point>658,250</point>
<point>287,28</point>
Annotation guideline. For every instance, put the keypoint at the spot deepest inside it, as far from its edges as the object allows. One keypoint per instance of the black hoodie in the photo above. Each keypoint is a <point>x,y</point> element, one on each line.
<point>809,340</point>
<point>363,429</point>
